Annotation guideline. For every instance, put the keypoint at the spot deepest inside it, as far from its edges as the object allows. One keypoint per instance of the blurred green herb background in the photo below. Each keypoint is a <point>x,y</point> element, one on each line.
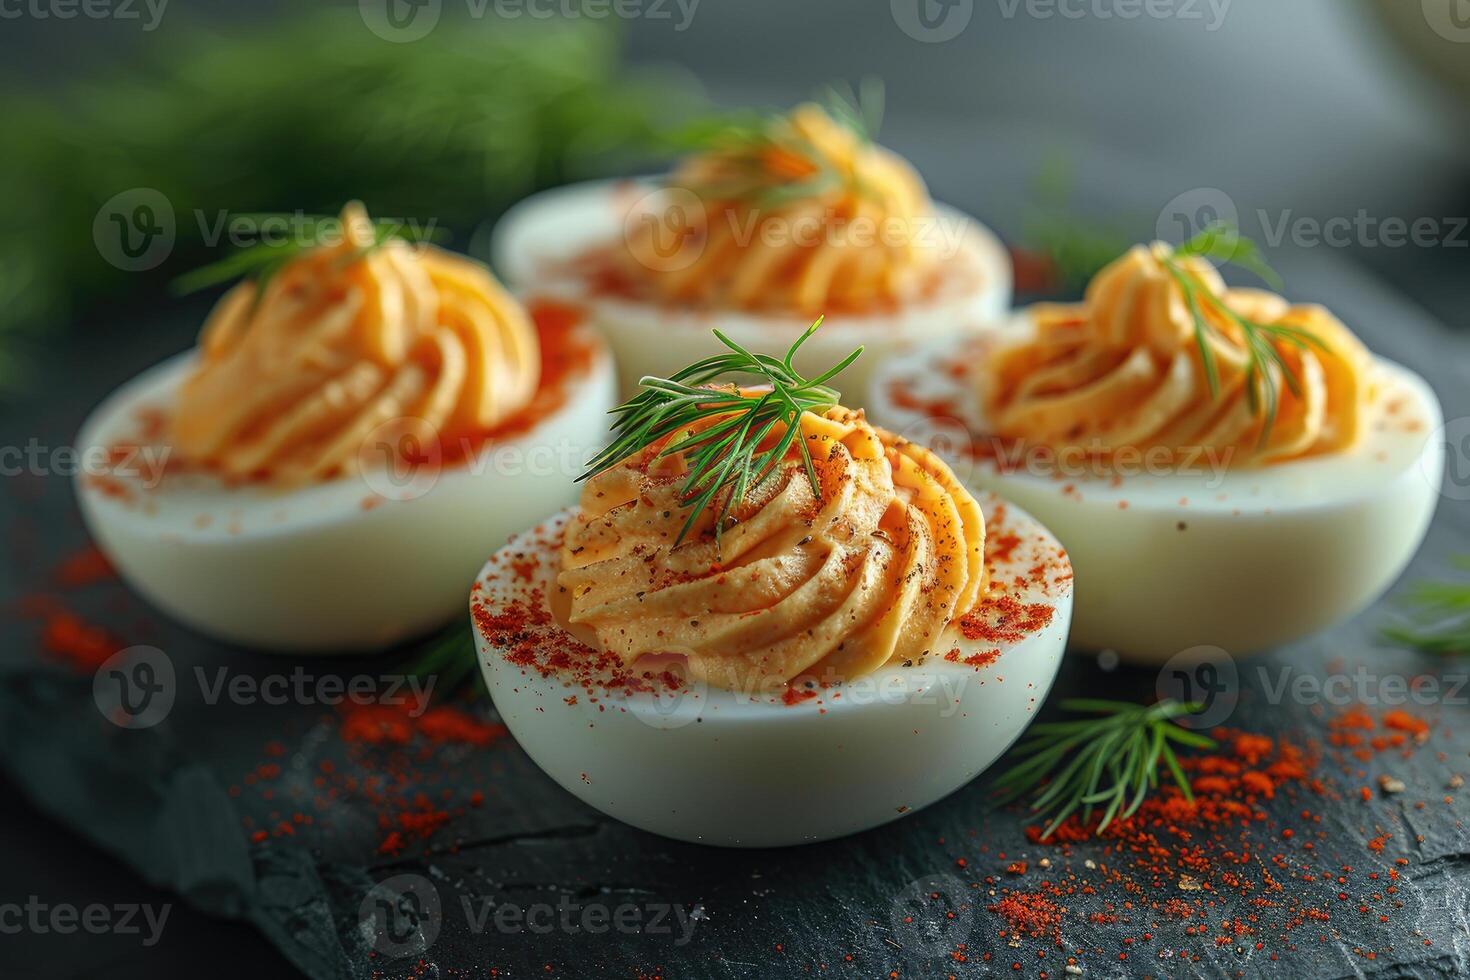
<point>303,115</point>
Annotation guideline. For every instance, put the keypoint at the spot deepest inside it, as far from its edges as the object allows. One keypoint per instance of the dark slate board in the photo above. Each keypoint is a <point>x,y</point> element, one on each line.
<point>159,799</point>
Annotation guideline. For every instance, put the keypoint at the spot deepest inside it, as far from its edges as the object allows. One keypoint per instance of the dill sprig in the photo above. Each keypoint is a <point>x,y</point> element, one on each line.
<point>1263,342</point>
<point>1441,619</point>
<point>261,261</point>
<point>860,111</point>
<point>725,459</point>
<point>1077,250</point>
<point>749,142</point>
<point>1077,253</point>
<point>1109,762</point>
<point>450,659</point>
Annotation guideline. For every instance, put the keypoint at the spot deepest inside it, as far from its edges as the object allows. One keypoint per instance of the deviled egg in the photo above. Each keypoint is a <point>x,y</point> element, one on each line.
<point>802,632</point>
<point>767,228</point>
<point>346,439</point>
<point>1225,468</point>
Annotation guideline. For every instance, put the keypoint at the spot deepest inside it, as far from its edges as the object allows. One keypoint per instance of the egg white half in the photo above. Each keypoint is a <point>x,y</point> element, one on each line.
<point>346,565</point>
<point>749,769</point>
<point>534,241</point>
<point>1171,558</point>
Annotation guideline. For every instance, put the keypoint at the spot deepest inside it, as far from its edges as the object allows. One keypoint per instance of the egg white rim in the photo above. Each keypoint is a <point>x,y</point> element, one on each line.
<point>1280,487</point>
<point>903,683</point>
<point>321,504</point>
<point>522,266</point>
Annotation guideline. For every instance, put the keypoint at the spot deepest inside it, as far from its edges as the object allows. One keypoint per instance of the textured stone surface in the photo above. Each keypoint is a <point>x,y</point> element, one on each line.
<point>161,799</point>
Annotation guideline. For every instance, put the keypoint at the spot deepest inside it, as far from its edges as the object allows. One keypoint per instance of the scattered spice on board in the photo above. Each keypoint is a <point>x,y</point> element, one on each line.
<point>393,761</point>
<point>1032,914</point>
<point>67,636</point>
<point>1248,863</point>
<point>84,646</point>
<point>83,568</point>
<point>392,724</point>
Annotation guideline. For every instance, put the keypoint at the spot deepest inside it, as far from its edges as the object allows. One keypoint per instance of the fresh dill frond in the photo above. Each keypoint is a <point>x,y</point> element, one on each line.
<point>1223,244</point>
<point>450,660</point>
<point>750,143</point>
<point>1263,342</point>
<point>263,259</point>
<point>1077,249</point>
<point>1108,763</point>
<point>1076,252</point>
<point>725,457</point>
<point>860,111</point>
<point>1440,622</point>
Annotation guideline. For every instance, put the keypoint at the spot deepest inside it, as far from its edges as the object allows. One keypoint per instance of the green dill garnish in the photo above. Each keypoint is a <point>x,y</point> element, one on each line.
<point>449,659</point>
<point>1077,249</point>
<point>1110,762</point>
<point>1076,253</point>
<point>746,144</point>
<point>860,111</point>
<point>1222,244</point>
<point>262,260</point>
<point>1441,619</point>
<point>725,459</point>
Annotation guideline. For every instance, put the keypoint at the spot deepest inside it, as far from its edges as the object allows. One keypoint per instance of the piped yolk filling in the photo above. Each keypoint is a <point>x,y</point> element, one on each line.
<point>293,379</point>
<point>831,585</point>
<point>1124,370</point>
<point>810,217</point>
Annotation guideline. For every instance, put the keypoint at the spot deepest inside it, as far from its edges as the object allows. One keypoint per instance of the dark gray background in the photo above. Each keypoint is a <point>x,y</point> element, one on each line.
<point>1300,104</point>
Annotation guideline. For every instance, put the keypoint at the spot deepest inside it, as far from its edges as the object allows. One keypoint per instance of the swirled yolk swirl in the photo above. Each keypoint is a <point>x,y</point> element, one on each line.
<point>829,585</point>
<point>344,338</point>
<point>808,217</point>
<point>1124,370</point>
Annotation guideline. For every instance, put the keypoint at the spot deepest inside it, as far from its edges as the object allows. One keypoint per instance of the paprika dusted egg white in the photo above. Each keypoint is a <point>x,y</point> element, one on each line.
<point>660,657</point>
<point>1225,469</point>
<point>759,234</point>
<point>344,446</point>
<point>652,744</point>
